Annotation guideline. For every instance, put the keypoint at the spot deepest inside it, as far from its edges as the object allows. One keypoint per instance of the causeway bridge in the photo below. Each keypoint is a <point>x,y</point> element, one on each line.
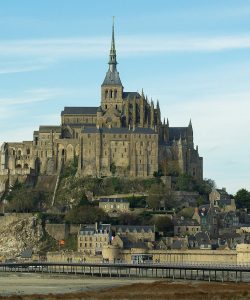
<point>188,271</point>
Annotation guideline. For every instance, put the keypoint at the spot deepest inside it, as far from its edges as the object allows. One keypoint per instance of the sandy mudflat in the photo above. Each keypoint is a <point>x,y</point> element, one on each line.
<point>27,284</point>
<point>50,287</point>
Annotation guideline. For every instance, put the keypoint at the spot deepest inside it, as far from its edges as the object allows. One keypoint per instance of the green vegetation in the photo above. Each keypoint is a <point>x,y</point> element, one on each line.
<point>25,199</point>
<point>86,215</point>
<point>242,198</point>
<point>164,224</point>
<point>160,196</point>
<point>186,212</point>
<point>187,183</point>
<point>70,168</point>
<point>72,190</point>
<point>137,201</point>
<point>70,243</point>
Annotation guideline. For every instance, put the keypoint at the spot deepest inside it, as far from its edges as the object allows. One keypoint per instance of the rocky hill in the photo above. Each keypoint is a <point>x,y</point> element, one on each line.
<point>18,232</point>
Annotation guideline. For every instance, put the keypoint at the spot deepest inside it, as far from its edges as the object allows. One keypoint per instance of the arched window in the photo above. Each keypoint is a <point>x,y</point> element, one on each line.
<point>63,152</point>
<point>106,94</point>
<point>18,166</point>
<point>19,152</point>
<point>28,151</point>
<point>111,93</point>
<point>115,94</point>
<point>26,166</point>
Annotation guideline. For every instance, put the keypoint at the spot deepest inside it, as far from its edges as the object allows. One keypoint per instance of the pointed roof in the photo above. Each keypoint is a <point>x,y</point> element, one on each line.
<point>112,53</point>
<point>112,76</point>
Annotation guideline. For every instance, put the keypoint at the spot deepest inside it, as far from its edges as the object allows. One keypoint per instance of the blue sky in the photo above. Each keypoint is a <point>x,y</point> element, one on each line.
<point>194,56</point>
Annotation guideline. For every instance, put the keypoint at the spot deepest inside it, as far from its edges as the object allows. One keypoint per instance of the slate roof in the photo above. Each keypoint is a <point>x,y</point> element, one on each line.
<point>112,78</point>
<point>118,200</point>
<point>131,95</point>
<point>222,192</point>
<point>71,110</point>
<point>48,128</point>
<point>79,124</point>
<point>117,130</point>
<point>186,222</point>
<point>131,228</point>
<point>177,244</point>
<point>176,132</point>
<point>90,229</point>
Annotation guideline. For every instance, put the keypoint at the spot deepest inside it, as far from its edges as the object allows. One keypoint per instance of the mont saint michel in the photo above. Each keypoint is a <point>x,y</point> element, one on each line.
<point>104,192</point>
<point>126,134</point>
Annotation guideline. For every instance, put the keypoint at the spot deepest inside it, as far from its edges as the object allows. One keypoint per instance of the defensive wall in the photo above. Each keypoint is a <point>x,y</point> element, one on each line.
<point>112,254</point>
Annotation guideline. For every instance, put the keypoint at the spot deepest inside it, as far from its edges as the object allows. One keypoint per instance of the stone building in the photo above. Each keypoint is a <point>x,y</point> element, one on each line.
<point>221,199</point>
<point>124,136</point>
<point>114,205</point>
<point>135,233</point>
<point>92,238</point>
<point>183,227</point>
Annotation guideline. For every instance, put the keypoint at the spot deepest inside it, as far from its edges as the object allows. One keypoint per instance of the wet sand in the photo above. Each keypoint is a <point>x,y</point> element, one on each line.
<point>38,287</point>
<point>28,284</point>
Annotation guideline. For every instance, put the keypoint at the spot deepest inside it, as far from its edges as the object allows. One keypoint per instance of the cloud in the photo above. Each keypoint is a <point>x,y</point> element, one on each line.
<point>97,46</point>
<point>36,54</point>
<point>32,96</point>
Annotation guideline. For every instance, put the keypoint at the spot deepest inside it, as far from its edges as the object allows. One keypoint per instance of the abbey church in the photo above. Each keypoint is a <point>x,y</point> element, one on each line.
<point>124,136</point>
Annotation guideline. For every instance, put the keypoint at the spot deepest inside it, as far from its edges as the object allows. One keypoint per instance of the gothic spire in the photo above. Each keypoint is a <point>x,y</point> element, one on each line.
<point>142,93</point>
<point>158,105</point>
<point>112,76</point>
<point>112,54</point>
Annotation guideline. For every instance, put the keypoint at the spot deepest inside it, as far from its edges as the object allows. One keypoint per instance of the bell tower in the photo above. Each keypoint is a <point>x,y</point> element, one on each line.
<point>112,89</point>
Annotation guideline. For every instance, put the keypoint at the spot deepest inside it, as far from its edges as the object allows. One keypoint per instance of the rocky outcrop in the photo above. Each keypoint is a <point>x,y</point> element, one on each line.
<point>18,232</point>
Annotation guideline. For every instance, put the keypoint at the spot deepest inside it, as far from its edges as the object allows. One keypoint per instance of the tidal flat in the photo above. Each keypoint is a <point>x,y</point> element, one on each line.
<point>50,287</point>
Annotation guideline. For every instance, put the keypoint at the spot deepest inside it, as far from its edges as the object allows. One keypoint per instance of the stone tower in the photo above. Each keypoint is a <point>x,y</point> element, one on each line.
<point>112,89</point>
